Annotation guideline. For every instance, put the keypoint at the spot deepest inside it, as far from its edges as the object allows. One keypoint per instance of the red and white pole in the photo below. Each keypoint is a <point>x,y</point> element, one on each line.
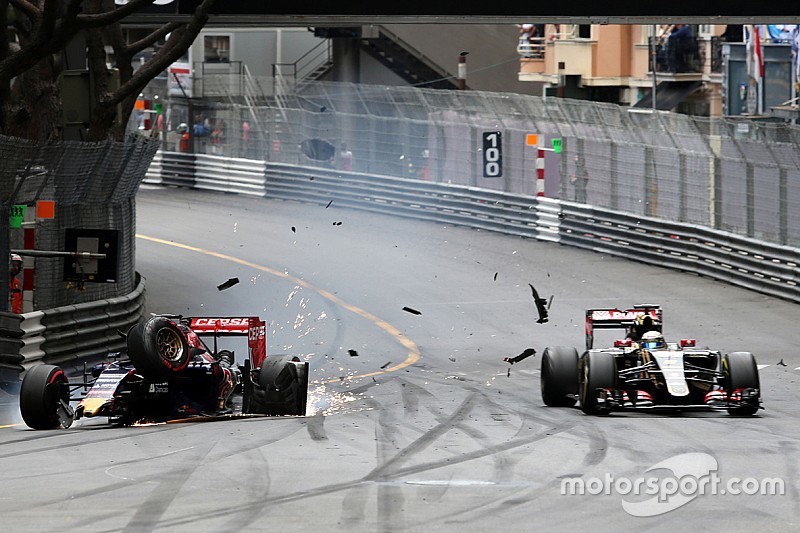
<point>28,262</point>
<point>540,167</point>
<point>462,71</point>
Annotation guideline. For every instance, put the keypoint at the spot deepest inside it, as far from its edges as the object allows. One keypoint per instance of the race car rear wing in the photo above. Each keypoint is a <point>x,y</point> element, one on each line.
<point>253,327</point>
<point>621,319</point>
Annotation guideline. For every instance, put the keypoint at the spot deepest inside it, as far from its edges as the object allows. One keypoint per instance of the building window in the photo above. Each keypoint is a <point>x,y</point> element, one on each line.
<point>217,48</point>
<point>584,31</point>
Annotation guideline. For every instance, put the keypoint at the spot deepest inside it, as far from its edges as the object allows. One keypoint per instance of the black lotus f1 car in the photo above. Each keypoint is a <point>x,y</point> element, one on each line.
<point>171,373</point>
<point>642,371</point>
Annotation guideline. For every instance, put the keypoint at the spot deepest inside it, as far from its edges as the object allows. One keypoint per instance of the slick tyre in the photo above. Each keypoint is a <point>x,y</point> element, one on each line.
<point>158,349</point>
<point>43,389</point>
<point>740,372</point>
<point>286,376</point>
<point>559,376</point>
<point>597,371</point>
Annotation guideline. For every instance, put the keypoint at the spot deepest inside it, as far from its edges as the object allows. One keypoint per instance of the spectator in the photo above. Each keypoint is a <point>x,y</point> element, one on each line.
<point>579,179</point>
<point>345,158</point>
<point>245,148</point>
<point>217,137</point>
<point>200,128</point>
<point>525,46</point>
<point>680,48</point>
<point>734,33</point>
<point>531,37</point>
<point>14,286</point>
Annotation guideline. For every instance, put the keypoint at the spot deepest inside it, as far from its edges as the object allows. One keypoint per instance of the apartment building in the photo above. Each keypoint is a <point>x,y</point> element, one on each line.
<point>702,72</point>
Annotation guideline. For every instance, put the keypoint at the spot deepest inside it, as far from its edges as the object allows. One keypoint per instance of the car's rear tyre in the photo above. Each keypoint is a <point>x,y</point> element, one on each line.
<point>285,378</point>
<point>559,376</point>
<point>740,372</point>
<point>158,348</point>
<point>598,370</point>
<point>43,389</point>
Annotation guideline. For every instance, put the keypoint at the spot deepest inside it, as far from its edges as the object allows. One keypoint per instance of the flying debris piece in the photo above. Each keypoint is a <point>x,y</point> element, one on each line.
<point>462,54</point>
<point>412,311</point>
<point>337,223</point>
<point>386,365</point>
<point>453,359</point>
<point>352,353</point>
<point>508,374</point>
<point>228,284</point>
<point>294,230</point>
<point>550,302</point>
<point>495,276</point>
<point>781,363</point>
<point>540,305</point>
<point>524,355</point>
<point>318,149</point>
<point>329,204</point>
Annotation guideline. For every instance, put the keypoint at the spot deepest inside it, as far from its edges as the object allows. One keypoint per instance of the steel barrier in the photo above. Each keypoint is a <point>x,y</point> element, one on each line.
<point>75,332</point>
<point>746,262</point>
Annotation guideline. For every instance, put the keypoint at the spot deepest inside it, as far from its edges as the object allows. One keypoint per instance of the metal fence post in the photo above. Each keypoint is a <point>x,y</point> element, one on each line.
<point>750,199</point>
<point>650,184</point>
<point>5,255</point>
<point>613,178</point>
<point>783,207</point>
<point>716,190</point>
<point>682,178</point>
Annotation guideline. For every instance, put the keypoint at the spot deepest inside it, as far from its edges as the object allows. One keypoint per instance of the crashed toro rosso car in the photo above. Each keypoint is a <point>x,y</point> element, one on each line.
<point>171,372</point>
<point>643,371</point>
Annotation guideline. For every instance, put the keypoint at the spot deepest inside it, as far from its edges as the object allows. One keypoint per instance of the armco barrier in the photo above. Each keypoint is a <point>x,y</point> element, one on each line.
<point>75,332</point>
<point>421,200</point>
<point>764,267</point>
<point>10,345</point>
<point>757,265</point>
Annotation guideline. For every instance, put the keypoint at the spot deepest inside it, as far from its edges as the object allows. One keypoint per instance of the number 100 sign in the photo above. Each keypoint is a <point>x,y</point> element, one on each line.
<point>492,154</point>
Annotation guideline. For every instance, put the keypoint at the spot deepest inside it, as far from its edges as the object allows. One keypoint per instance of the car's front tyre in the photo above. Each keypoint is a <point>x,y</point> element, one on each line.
<point>559,376</point>
<point>43,396</point>
<point>598,371</point>
<point>740,372</point>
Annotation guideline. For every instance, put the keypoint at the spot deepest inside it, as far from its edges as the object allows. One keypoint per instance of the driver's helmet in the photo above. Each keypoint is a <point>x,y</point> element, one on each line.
<point>16,257</point>
<point>653,340</point>
<point>183,128</point>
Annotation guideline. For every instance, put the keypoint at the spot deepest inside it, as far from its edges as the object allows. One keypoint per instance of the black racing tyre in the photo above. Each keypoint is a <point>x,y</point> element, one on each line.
<point>559,376</point>
<point>277,372</point>
<point>40,397</point>
<point>598,370</point>
<point>286,376</point>
<point>158,348</point>
<point>740,372</point>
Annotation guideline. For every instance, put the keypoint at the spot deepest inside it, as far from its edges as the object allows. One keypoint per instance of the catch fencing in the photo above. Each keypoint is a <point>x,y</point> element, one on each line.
<point>93,186</point>
<point>741,176</point>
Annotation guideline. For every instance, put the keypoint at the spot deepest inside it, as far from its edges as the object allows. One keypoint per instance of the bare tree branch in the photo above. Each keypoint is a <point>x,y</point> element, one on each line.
<point>153,38</point>
<point>30,10</point>
<point>180,40</point>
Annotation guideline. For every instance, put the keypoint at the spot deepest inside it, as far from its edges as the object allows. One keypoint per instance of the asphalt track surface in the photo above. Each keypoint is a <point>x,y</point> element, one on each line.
<point>423,427</point>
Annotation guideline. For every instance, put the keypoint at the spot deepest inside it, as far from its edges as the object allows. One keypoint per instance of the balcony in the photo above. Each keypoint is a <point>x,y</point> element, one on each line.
<point>679,56</point>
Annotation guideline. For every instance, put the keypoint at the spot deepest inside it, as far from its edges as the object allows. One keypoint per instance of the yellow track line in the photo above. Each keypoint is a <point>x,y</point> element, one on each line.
<point>413,351</point>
